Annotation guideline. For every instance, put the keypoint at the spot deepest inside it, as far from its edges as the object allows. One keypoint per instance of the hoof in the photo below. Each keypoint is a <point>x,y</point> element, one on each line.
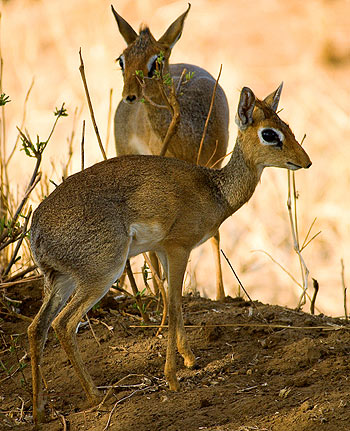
<point>95,399</point>
<point>173,383</point>
<point>190,362</point>
<point>39,418</point>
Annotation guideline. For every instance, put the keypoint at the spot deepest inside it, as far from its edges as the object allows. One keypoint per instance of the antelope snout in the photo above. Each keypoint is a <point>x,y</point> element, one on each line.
<point>130,98</point>
<point>306,161</point>
<point>131,91</point>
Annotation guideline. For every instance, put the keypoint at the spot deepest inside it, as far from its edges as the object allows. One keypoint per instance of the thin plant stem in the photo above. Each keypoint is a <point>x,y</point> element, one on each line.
<point>19,243</point>
<point>208,116</point>
<point>109,118</point>
<point>22,122</point>
<point>242,287</point>
<point>82,146</point>
<point>313,300</point>
<point>162,291</point>
<point>292,212</point>
<point>136,292</point>
<point>82,72</point>
<point>344,288</point>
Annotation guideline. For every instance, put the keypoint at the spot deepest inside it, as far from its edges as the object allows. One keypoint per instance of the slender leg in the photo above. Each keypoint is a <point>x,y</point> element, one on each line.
<point>87,294</point>
<point>177,261</point>
<point>155,263</point>
<point>215,242</point>
<point>57,290</point>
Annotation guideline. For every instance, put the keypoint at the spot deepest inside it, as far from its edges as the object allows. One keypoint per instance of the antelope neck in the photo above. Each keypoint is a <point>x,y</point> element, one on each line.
<point>238,179</point>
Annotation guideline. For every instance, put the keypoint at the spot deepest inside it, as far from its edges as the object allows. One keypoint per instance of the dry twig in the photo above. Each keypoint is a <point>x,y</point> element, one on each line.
<point>162,291</point>
<point>313,300</point>
<point>82,72</point>
<point>292,212</point>
<point>344,288</point>
<point>208,116</point>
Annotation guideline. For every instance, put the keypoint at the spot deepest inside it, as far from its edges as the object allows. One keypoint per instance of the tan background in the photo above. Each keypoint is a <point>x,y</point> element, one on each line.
<point>260,43</point>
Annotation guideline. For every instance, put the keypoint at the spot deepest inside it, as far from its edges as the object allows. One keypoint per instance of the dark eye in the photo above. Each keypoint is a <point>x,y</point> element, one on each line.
<point>270,136</point>
<point>121,62</point>
<point>152,69</point>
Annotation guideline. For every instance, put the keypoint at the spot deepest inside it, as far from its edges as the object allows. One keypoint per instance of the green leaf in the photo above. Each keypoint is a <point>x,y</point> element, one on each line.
<point>160,57</point>
<point>139,73</point>
<point>62,112</point>
<point>4,99</point>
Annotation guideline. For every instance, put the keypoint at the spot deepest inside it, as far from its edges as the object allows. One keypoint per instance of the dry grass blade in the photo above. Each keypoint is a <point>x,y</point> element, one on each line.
<point>242,287</point>
<point>256,325</point>
<point>82,146</point>
<point>82,73</point>
<point>344,288</point>
<point>175,112</point>
<point>109,118</point>
<point>19,242</point>
<point>293,220</point>
<point>92,331</point>
<point>22,122</point>
<point>8,283</point>
<point>136,292</point>
<point>174,108</point>
<point>208,116</point>
<point>141,388</point>
<point>313,300</point>
<point>162,291</point>
<point>306,241</point>
<point>281,266</point>
<point>221,159</point>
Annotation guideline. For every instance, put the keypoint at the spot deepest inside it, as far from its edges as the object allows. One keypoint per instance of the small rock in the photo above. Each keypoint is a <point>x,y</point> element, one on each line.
<point>204,403</point>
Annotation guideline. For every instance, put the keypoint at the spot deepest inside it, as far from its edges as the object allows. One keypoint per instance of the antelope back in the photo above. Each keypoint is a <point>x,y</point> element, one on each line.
<point>266,139</point>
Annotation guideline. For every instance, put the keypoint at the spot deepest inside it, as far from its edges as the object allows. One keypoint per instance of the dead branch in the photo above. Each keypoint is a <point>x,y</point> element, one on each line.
<point>82,72</point>
<point>136,292</point>
<point>82,146</point>
<point>208,116</point>
<point>293,220</point>
<point>344,288</point>
<point>313,300</point>
<point>162,291</point>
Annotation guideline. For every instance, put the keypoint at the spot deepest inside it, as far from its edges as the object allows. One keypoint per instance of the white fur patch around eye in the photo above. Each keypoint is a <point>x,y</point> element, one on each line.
<point>122,62</point>
<point>151,61</point>
<point>277,142</point>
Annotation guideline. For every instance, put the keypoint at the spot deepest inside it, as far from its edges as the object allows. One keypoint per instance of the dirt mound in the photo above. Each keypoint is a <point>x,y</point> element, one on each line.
<point>260,367</point>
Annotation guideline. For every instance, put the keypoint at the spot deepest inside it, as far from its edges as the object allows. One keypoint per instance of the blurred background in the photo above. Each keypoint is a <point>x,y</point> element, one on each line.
<point>304,44</point>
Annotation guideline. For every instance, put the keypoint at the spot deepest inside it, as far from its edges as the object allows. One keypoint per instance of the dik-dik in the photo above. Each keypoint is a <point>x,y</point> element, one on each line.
<point>140,128</point>
<point>83,233</point>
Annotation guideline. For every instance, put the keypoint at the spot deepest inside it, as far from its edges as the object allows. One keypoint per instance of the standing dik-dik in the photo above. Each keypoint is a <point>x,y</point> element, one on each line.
<point>140,128</point>
<point>83,233</point>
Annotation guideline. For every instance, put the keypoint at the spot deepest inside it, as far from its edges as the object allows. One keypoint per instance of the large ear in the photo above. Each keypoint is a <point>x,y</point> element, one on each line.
<point>128,33</point>
<point>245,109</point>
<point>273,98</point>
<point>172,35</point>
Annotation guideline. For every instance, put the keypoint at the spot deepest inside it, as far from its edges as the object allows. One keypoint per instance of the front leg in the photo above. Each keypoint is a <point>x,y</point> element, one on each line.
<point>177,261</point>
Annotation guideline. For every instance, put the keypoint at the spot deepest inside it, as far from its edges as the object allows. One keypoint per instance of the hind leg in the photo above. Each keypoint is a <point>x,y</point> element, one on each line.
<point>176,264</point>
<point>90,289</point>
<point>57,290</point>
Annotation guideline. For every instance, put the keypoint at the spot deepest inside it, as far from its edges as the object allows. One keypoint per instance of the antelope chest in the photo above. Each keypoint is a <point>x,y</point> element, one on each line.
<point>139,145</point>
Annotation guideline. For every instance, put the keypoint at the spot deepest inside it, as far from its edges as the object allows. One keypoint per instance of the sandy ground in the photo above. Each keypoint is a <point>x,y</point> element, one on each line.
<point>259,367</point>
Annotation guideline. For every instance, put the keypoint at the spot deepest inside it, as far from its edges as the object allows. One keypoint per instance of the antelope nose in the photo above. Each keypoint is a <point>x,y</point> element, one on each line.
<point>307,167</point>
<point>131,98</point>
